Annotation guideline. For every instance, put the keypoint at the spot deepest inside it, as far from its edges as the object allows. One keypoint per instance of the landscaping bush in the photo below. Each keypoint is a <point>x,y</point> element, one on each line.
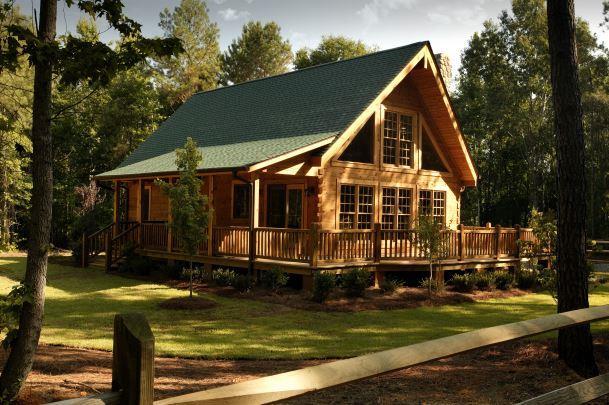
<point>435,285</point>
<point>463,282</point>
<point>355,281</point>
<point>503,280</point>
<point>526,279</point>
<point>224,277</point>
<point>275,279</point>
<point>484,281</point>
<point>388,286</point>
<point>242,283</point>
<point>323,284</point>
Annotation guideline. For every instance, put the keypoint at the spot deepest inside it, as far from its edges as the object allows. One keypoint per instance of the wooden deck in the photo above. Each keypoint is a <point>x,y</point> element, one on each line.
<point>302,251</point>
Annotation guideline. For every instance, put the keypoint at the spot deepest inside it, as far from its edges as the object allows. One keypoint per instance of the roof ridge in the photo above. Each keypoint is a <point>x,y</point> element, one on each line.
<point>311,67</point>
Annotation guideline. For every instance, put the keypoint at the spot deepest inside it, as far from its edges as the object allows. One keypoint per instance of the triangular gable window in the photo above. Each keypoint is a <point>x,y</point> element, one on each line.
<point>361,147</point>
<point>431,158</point>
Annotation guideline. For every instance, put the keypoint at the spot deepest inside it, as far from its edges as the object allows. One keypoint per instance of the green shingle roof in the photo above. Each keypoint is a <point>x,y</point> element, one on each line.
<point>247,123</point>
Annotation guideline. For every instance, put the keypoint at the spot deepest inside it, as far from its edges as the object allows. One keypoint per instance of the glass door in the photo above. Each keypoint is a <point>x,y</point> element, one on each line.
<point>294,209</point>
<point>276,206</point>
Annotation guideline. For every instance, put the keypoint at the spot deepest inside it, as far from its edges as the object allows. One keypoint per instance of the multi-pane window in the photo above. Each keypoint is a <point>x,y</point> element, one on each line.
<point>433,203</point>
<point>356,206</point>
<point>396,208</point>
<point>398,139</point>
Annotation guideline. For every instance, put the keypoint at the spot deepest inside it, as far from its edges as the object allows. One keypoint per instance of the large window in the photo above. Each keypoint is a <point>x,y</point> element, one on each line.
<point>241,201</point>
<point>396,208</point>
<point>356,206</point>
<point>361,148</point>
<point>398,139</point>
<point>433,203</point>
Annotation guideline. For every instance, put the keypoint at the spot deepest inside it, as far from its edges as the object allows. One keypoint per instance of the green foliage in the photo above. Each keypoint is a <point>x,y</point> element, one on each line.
<point>259,52</point>
<point>547,280</point>
<point>331,49</point>
<point>484,280</point>
<point>135,263</point>
<point>389,285</point>
<point>242,283</point>
<point>275,279</point>
<point>224,277</point>
<point>10,308</point>
<point>355,281</point>
<point>431,241</point>
<point>463,282</point>
<point>432,285</point>
<point>323,285</point>
<point>527,279</point>
<point>503,280</point>
<point>198,67</point>
<point>545,230</point>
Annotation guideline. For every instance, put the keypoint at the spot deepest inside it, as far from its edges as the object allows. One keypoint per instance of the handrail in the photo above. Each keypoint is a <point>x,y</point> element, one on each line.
<point>299,382</point>
<point>94,234</point>
<point>578,393</point>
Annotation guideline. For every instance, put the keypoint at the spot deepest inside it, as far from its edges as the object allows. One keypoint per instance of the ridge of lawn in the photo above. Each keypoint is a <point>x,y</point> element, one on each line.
<point>81,303</point>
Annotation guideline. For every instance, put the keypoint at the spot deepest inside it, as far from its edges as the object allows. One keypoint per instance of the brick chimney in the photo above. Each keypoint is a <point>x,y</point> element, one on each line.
<point>445,68</point>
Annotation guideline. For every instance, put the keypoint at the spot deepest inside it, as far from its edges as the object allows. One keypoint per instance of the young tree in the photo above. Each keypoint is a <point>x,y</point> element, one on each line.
<point>259,52</point>
<point>190,212</point>
<point>331,49</point>
<point>574,343</point>
<point>77,60</point>
<point>198,67</point>
<point>431,242</point>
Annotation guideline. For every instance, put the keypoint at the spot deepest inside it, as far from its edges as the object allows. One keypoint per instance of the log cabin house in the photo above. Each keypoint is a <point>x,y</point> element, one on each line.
<point>321,168</point>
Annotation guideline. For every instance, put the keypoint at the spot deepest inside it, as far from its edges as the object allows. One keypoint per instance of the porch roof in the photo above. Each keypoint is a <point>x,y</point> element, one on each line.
<point>238,126</point>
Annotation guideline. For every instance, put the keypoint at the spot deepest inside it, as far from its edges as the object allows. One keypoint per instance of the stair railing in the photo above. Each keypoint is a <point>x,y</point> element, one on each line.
<point>115,246</point>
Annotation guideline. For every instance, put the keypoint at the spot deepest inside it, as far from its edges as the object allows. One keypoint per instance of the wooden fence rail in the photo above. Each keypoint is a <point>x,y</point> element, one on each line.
<point>299,382</point>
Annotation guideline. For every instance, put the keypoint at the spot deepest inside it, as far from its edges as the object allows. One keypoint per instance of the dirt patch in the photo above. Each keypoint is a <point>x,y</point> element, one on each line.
<point>189,303</point>
<point>374,299</point>
<point>499,375</point>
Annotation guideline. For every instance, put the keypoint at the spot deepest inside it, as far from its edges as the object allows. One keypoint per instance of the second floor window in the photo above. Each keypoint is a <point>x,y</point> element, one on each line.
<point>356,206</point>
<point>398,139</point>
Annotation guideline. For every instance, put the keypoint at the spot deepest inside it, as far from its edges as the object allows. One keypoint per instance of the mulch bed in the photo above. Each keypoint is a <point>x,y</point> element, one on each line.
<point>503,374</point>
<point>193,302</point>
<point>405,297</point>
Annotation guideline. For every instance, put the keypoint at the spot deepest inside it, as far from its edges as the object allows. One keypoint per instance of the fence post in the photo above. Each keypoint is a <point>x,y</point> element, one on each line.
<point>314,244</point>
<point>461,239</point>
<point>108,250</point>
<point>377,242</point>
<point>133,359</point>
<point>84,260</point>
<point>517,241</point>
<point>497,240</point>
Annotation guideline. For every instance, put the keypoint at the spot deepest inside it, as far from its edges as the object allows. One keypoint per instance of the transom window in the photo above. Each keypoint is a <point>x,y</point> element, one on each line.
<point>396,208</point>
<point>398,139</point>
<point>433,203</point>
<point>356,206</point>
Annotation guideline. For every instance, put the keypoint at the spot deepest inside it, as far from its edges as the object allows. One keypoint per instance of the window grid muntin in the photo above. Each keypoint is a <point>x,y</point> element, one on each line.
<point>398,139</point>
<point>347,206</point>
<point>426,202</point>
<point>390,137</point>
<point>404,208</point>
<point>388,208</point>
<point>406,140</point>
<point>396,208</point>
<point>356,210</point>
<point>439,206</point>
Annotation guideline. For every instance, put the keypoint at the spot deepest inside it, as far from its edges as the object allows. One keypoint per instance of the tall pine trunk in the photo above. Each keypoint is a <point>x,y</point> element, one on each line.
<point>19,362</point>
<point>575,343</point>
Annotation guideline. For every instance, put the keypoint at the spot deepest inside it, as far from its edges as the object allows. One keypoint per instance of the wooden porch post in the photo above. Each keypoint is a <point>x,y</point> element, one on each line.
<point>461,239</point>
<point>377,242</point>
<point>169,232</point>
<point>314,244</point>
<point>115,228</point>
<point>140,186</point>
<point>517,227</point>
<point>254,216</point>
<point>497,240</point>
<point>210,223</point>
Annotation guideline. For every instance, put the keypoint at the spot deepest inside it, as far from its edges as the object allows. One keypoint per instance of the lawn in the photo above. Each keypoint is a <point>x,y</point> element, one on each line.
<point>81,303</point>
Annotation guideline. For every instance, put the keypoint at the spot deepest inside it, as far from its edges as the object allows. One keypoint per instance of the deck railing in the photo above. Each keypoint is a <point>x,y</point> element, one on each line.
<point>318,246</point>
<point>97,242</point>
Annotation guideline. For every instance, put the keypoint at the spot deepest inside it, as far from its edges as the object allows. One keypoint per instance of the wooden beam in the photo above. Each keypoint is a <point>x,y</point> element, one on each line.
<point>309,379</point>
<point>116,206</point>
<point>290,155</point>
<point>575,394</point>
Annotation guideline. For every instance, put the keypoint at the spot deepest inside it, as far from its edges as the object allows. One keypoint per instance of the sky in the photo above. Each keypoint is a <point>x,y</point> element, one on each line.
<point>448,24</point>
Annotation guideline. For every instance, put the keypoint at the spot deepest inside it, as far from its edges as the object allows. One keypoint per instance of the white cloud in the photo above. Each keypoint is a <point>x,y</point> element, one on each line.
<point>219,1</point>
<point>375,9</point>
<point>230,14</point>
<point>439,18</point>
<point>249,1</point>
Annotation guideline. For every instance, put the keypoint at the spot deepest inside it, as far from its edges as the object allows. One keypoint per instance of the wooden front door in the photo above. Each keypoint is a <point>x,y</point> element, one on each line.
<point>284,206</point>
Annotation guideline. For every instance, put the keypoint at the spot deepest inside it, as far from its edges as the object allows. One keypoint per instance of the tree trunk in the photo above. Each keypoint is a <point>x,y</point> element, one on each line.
<point>19,362</point>
<point>575,343</point>
<point>190,286</point>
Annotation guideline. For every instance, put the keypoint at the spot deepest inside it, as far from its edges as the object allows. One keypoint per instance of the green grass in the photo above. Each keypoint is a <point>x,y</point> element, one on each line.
<point>81,303</point>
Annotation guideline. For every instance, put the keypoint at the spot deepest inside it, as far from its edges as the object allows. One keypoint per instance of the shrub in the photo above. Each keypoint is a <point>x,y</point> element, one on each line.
<point>526,279</point>
<point>134,263</point>
<point>503,280</point>
<point>484,281</point>
<point>355,281</point>
<point>275,279</point>
<point>463,282</point>
<point>224,277</point>
<point>547,280</point>
<point>323,284</point>
<point>435,285</point>
<point>175,271</point>
<point>242,283</point>
<point>388,286</point>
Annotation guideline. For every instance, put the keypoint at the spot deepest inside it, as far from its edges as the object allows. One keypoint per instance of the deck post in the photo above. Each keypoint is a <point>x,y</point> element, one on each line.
<point>85,251</point>
<point>517,227</point>
<point>497,240</point>
<point>377,242</point>
<point>314,244</point>
<point>115,230</point>
<point>461,239</point>
<point>169,231</point>
<point>133,359</point>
